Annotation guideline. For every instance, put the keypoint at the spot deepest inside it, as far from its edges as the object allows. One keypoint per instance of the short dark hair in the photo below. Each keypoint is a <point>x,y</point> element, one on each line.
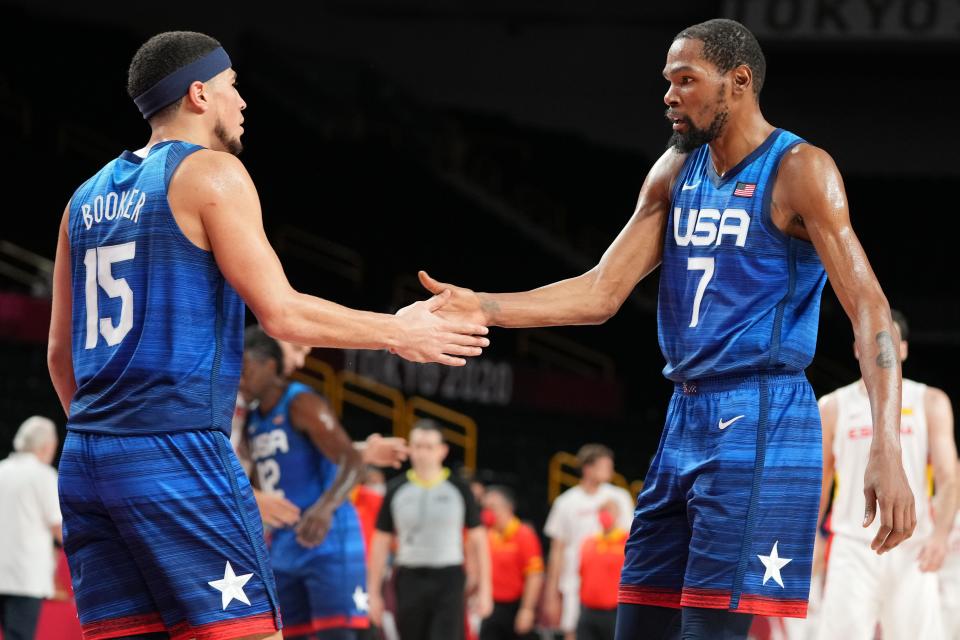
<point>160,56</point>
<point>426,424</point>
<point>728,44</point>
<point>590,453</point>
<point>901,321</point>
<point>505,492</point>
<point>257,343</point>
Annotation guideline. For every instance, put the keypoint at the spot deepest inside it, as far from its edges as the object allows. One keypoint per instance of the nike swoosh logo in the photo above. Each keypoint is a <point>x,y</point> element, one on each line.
<point>687,187</point>
<point>723,425</point>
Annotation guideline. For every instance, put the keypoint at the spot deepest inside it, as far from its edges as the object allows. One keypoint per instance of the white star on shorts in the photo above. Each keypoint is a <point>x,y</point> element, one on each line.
<point>361,600</point>
<point>231,587</point>
<point>774,563</point>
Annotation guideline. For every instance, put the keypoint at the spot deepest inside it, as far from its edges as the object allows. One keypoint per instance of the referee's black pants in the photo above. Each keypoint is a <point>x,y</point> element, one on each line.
<point>430,603</point>
<point>596,624</point>
<point>499,626</point>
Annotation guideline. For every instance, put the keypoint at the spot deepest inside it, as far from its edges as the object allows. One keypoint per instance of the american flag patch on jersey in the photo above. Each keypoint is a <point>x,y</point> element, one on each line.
<point>745,189</point>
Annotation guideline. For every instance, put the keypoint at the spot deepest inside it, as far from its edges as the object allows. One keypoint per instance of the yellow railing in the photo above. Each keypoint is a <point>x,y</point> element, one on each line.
<point>321,376</point>
<point>561,475</point>
<point>349,388</point>
<point>371,396</point>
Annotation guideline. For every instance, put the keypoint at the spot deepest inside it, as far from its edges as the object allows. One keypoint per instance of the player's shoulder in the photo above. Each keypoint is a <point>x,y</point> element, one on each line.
<point>568,497</point>
<point>804,161</point>
<point>207,169</point>
<point>664,172</point>
<point>936,398</point>
<point>830,401</point>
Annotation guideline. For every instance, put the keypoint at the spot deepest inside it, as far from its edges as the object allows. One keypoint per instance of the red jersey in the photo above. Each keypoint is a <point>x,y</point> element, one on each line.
<point>601,558</point>
<point>514,554</point>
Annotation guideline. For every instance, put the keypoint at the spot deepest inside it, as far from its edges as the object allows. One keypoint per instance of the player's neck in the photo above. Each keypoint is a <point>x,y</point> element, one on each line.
<point>271,397</point>
<point>184,132</point>
<point>589,486</point>
<point>737,141</point>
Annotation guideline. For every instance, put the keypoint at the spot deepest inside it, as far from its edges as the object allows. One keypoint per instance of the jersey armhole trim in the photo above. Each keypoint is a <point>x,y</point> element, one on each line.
<point>168,173</point>
<point>766,217</point>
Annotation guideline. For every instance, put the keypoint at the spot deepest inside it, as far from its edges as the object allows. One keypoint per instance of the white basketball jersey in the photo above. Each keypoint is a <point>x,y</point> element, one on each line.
<point>851,451</point>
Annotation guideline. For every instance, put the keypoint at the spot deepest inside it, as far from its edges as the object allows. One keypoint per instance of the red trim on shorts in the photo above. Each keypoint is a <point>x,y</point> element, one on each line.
<point>705,598</point>
<point>126,626</point>
<point>331,622</point>
<point>636,594</point>
<point>712,599</point>
<point>225,629</point>
<point>773,607</point>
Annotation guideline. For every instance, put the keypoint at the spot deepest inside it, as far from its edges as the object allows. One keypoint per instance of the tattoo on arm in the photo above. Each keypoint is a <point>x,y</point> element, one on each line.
<point>886,359</point>
<point>489,307</point>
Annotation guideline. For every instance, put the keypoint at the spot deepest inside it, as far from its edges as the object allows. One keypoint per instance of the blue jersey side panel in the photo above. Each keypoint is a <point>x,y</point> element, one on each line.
<point>157,330</point>
<point>737,295</point>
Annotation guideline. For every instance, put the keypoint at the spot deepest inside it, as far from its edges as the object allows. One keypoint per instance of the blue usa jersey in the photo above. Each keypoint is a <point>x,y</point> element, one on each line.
<point>157,330</point>
<point>289,463</point>
<point>737,295</point>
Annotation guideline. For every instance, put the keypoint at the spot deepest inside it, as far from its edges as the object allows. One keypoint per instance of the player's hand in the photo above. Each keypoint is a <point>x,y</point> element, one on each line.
<point>523,623</point>
<point>315,524</point>
<point>375,608</point>
<point>275,510</point>
<point>385,452</point>
<point>552,608</point>
<point>483,603</point>
<point>428,337</point>
<point>885,488</point>
<point>933,553</point>
<point>463,304</point>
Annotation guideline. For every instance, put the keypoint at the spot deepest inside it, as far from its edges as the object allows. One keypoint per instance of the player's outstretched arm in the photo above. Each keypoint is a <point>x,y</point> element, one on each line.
<point>312,414</point>
<point>943,456</point>
<point>809,185</point>
<point>59,349</point>
<point>219,189</point>
<point>592,297</point>
<point>383,451</point>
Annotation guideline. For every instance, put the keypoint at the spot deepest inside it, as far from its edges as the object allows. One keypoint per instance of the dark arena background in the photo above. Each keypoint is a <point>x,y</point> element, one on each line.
<point>499,145</point>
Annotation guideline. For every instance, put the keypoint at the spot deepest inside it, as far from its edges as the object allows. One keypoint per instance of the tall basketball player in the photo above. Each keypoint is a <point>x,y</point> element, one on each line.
<point>899,590</point>
<point>746,219</point>
<point>157,253</point>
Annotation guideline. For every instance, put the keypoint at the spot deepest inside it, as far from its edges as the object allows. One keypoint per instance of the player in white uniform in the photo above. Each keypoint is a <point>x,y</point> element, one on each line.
<point>899,589</point>
<point>950,584</point>
<point>572,518</point>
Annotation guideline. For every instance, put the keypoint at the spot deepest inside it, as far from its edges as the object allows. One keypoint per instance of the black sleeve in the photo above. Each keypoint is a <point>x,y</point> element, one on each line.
<point>385,516</point>
<point>471,510</point>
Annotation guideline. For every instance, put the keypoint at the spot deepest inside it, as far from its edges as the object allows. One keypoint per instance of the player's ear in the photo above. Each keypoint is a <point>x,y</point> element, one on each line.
<point>742,78</point>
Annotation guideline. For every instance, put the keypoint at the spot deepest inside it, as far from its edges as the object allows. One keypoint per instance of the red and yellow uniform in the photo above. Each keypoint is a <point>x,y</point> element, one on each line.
<point>515,553</point>
<point>601,558</point>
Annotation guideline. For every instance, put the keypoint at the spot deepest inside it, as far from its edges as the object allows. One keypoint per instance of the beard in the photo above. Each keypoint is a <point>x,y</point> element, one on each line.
<point>232,145</point>
<point>694,137</point>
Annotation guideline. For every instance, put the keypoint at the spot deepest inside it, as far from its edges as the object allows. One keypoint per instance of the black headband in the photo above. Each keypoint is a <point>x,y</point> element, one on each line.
<point>174,86</point>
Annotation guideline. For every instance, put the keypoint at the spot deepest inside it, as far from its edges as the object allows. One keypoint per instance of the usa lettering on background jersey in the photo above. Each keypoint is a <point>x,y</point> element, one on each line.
<point>737,295</point>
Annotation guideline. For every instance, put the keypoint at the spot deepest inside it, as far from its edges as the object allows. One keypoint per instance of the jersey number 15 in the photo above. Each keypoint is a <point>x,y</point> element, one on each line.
<point>99,263</point>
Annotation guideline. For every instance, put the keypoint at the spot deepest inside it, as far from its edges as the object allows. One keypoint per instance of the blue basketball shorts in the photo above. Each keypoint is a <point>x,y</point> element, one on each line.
<point>728,512</point>
<point>162,534</point>
<point>324,587</point>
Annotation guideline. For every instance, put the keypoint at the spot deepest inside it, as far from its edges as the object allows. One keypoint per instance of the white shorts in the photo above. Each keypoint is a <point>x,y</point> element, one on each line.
<point>950,595</point>
<point>863,589</point>
<point>571,609</point>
